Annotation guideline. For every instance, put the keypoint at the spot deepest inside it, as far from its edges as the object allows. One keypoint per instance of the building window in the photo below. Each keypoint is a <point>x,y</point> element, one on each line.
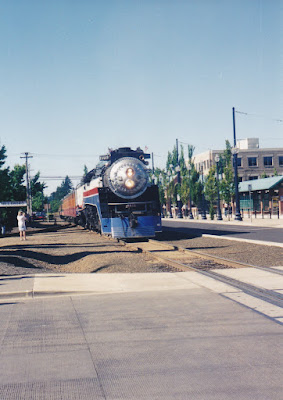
<point>239,162</point>
<point>253,178</point>
<point>280,161</point>
<point>267,161</point>
<point>252,161</point>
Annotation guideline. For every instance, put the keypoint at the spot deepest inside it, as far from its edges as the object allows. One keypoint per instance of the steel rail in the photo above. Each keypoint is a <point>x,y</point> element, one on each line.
<point>267,295</point>
<point>219,259</point>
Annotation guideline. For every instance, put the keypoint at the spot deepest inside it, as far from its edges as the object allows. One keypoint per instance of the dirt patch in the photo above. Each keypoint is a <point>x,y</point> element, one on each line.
<point>243,252</point>
<point>71,250</point>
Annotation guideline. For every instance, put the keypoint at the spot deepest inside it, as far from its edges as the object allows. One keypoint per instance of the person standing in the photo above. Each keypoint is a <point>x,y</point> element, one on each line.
<point>22,225</point>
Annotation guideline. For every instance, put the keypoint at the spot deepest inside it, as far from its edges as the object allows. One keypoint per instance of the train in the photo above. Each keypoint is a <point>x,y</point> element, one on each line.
<point>116,198</point>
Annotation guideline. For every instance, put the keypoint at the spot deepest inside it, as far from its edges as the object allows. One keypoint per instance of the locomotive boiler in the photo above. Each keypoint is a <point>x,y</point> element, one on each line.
<point>116,198</point>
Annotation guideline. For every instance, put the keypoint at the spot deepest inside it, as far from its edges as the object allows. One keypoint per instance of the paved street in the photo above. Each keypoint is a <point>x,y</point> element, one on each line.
<point>177,344</point>
<point>263,230</point>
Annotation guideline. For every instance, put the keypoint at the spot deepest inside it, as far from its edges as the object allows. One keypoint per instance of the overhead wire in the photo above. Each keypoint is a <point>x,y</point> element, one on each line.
<point>259,116</point>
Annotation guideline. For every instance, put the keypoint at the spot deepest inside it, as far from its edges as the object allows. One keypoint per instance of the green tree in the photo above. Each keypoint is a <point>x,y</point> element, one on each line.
<point>85,170</point>
<point>182,162</point>
<point>185,189</point>
<point>11,188</point>
<point>159,179</point>
<point>55,198</point>
<point>227,187</point>
<point>55,205</point>
<point>18,190</point>
<point>35,185</point>
<point>211,190</point>
<point>38,201</point>
<point>172,159</point>
<point>5,183</point>
<point>193,183</point>
<point>191,150</point>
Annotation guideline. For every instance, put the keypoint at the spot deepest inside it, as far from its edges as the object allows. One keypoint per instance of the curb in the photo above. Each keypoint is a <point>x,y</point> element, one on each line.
<point>30,294</point>
<point>260,242</point>
<point>256,223</point>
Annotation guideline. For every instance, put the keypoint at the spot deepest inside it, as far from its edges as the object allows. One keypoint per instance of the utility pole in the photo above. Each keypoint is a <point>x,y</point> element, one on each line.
<point>235,160</point>
<point>152,161</point>
<point>28,191</point>
<point>177,148</point>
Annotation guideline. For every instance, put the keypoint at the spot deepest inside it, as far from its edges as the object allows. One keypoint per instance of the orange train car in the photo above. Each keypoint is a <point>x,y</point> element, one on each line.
<point>68,206</point>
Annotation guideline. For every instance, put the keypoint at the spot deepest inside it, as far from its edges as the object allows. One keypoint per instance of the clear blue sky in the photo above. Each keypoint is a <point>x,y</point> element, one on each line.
<point>79,76</point>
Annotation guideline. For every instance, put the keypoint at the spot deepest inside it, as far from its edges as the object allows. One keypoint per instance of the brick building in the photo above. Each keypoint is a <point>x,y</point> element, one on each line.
<point>253,161</point>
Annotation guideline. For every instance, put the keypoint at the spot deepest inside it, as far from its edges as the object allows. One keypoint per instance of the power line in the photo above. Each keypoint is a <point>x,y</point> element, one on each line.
<point>259,116</point>
<point>66,155</point>
<point>57,155</point>
<point>56,178</point>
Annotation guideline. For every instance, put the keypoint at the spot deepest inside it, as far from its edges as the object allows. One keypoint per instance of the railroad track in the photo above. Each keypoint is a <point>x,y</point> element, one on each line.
<point>183,260</point>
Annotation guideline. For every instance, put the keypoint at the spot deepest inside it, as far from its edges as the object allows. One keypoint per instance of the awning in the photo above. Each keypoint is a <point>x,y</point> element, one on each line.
<point>260,184</point>
<point>13,204</point>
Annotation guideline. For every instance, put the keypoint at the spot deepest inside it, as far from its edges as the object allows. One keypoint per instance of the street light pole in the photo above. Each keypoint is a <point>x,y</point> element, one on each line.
<point>179,203</point>
<point>168,190</point>
<point>235,160</point>
<point>178,169</point>
<point>190,189</point>
<point>219,214</point>
<point>203,216</point>
<point>160,181</point>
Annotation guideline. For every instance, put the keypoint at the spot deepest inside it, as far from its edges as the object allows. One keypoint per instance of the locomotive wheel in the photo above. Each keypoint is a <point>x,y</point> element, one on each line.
<point>92,219</point>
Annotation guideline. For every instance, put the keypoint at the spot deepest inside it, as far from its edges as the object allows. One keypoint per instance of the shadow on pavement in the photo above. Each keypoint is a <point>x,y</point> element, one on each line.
<point>170,234</point>
<point>23,258</point>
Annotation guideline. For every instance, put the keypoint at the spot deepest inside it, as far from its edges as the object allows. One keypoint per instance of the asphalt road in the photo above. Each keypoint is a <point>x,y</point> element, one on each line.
<point>197,229</point>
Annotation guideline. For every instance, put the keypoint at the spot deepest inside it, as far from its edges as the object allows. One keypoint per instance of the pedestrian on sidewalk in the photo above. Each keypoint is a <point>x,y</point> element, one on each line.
<point>22,224</point>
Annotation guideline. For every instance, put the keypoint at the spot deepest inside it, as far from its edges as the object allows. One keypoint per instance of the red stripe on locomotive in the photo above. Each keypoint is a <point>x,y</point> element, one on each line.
<point>91,192</point>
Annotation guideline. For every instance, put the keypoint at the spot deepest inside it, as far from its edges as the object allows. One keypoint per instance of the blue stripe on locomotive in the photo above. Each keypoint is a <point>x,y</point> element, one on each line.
<point>120,227</point>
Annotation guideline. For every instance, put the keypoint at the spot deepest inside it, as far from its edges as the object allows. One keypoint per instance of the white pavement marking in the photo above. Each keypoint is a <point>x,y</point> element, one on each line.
<point>256,304</point>
<point>257,277</point>
<point>237,295</point>
<point>264,243</point>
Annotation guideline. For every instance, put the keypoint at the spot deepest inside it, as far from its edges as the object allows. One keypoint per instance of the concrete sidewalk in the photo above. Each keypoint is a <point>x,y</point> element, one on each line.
<point>23,286</point>
<point>42,285</point>
<point>171,344</point>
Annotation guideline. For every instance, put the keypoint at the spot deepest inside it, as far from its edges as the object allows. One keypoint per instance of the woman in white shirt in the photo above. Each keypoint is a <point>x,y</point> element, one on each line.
<point>22,225</point>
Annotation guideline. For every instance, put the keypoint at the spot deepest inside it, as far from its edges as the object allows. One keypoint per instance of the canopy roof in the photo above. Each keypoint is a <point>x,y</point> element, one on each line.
<point>260,184</point>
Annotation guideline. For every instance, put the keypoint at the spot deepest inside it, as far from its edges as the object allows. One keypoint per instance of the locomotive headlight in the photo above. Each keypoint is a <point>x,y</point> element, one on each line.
<point>130,172</point>
<point>129,183</point>
<point>128,177</point>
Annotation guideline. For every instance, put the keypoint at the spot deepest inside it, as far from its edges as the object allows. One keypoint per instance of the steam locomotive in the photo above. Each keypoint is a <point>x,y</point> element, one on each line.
<point>116,198</point>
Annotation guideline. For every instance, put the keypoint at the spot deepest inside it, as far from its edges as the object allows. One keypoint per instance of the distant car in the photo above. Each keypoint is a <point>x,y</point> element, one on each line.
<point>39,216</point>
